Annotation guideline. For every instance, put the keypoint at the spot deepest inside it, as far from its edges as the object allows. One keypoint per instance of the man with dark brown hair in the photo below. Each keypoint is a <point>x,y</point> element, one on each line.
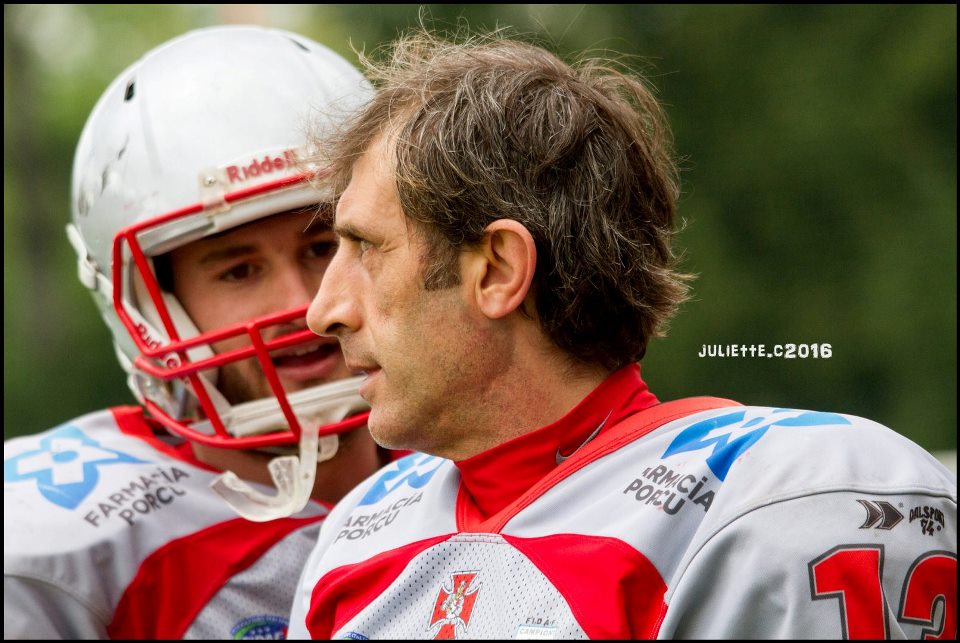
<point>505,226</point>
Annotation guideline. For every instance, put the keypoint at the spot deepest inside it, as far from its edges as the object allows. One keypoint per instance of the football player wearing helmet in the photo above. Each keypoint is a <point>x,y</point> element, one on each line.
<point>195,224</point>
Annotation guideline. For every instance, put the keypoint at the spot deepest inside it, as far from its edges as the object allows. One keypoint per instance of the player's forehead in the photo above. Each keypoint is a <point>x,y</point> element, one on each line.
<point>308,220</point>
<point>370,203</point>
<point>287,228</point>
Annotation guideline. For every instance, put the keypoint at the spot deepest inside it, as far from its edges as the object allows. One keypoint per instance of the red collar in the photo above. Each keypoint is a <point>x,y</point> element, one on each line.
<point>493,479</point>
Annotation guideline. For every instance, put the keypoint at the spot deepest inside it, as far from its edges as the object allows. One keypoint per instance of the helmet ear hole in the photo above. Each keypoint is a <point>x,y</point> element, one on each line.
<point>129,92</point>
<point>163,269</point>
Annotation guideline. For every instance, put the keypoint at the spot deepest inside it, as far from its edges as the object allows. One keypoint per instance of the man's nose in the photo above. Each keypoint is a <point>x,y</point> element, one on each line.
<point>334,308</point>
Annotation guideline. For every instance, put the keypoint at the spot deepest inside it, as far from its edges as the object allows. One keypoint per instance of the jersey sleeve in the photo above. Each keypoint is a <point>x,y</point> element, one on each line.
<point>826,565</point>
<point>37,610</point>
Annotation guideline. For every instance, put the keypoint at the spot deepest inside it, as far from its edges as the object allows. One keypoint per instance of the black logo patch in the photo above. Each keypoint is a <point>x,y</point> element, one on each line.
<point>880,515</point>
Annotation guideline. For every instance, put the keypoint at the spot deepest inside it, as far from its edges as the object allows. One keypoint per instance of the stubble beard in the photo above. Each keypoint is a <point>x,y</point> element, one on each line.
<point>238,384</point>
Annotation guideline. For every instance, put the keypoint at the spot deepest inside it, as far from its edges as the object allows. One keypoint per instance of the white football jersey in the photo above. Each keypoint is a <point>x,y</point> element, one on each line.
<point>697,518</point>
<point>110,533</point>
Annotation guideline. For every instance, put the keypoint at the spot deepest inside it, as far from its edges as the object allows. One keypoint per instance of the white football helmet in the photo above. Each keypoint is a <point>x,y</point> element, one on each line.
<point>204,133</point>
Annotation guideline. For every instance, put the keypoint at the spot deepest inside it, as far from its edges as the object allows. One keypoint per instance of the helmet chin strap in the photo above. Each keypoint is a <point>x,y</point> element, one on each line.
<point>292,476</point>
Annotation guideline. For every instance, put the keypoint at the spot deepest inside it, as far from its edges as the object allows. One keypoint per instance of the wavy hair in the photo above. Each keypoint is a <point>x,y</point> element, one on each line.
<point>494,128</point>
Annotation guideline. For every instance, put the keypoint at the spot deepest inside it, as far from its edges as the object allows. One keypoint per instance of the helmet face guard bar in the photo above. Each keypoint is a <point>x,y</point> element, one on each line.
<point>169,361</point>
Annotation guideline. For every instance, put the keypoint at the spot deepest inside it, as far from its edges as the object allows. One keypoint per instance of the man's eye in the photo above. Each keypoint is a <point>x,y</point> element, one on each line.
<point>364,245</point>
<point>321,249</point>
<point>239,272</point>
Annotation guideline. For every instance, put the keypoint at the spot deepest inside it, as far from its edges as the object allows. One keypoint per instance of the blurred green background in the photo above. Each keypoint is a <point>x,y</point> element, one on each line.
<point>819,154</point>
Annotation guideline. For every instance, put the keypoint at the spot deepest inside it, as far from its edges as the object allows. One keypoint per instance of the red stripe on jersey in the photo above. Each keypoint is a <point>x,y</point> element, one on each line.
<point>345,591</point>
<point>623,598</point>
<point>177,581</point>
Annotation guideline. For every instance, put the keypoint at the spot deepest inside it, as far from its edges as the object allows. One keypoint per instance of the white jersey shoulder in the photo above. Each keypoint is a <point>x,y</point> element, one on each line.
<point>820,525</point>
<point>88,477</point>
<point>84,506</point>
<point>401,503</point>
<point>726,462</point>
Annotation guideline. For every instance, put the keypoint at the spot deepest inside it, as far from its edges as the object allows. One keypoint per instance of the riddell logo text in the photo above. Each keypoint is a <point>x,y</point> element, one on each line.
<point>259,167</point>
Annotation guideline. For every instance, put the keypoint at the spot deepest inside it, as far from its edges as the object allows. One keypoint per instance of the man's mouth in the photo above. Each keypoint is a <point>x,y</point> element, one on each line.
<point>369,368</point>
<point>366,368</point>
<point>312,361</point>
<point>367,386</point>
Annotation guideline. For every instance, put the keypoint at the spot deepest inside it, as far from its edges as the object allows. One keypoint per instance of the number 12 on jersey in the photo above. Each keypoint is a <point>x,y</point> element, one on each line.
<point>853,575</point>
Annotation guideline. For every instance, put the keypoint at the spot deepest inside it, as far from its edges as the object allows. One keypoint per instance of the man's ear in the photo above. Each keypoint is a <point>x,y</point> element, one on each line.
<point>501,268</point>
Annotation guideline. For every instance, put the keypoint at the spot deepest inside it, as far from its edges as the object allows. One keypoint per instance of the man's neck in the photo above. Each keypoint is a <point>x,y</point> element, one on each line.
<point>535,389</point>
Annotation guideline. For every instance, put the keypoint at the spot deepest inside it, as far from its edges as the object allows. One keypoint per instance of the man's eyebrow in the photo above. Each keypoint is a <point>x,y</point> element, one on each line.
<point>225,254</point>
<point>347,230</point>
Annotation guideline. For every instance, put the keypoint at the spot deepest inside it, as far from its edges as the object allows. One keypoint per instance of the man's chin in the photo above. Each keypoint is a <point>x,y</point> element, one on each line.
<point>384,432</point>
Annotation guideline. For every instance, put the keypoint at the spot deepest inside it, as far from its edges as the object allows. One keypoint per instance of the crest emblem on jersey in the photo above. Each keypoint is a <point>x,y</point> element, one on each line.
<point>413,471</point>
<point>454,605</point>
<point>741,430</point>
<point>65,467</point>
<point>260,628</point>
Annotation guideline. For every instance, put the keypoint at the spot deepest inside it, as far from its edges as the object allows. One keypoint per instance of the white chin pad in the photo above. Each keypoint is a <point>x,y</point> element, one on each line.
<point>292,476</point>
